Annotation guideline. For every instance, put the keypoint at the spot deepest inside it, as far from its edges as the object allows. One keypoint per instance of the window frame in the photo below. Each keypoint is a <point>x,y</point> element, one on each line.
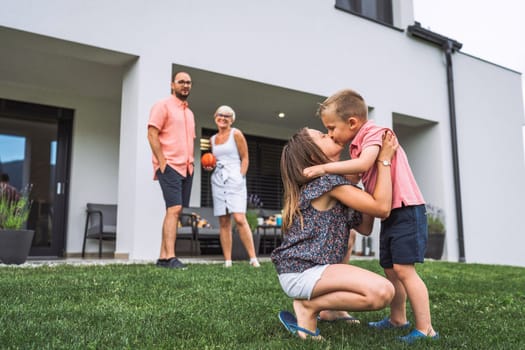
<point>383,7</point>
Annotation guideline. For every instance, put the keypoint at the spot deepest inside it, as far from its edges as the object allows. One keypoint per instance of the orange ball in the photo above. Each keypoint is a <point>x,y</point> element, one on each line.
<point>208,160</point>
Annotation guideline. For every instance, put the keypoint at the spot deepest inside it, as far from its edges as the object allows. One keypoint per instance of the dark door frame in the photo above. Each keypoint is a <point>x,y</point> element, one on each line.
<point>64,118</point>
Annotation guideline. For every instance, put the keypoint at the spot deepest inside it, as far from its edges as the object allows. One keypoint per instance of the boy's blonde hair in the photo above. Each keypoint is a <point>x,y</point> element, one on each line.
<point>347,103</point>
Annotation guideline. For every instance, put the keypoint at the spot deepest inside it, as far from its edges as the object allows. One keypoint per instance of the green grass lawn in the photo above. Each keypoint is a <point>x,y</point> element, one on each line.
<point>210,307</point>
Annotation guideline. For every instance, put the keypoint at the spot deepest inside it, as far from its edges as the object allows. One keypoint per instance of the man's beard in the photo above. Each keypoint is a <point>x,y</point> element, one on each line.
<point>181,97</point>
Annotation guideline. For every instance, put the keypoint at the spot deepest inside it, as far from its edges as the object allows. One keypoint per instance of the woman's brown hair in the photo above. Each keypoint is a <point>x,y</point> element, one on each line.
<point>299,152</point>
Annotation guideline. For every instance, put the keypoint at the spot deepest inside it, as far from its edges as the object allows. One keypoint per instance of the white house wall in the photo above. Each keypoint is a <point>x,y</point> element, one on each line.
<point>490,149</point>
<point>141,207</point>
<point>302,45</point>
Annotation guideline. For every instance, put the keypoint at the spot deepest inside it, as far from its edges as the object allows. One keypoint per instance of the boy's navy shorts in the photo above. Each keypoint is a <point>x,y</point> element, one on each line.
<point>176,188</point>
<point>403,236</point>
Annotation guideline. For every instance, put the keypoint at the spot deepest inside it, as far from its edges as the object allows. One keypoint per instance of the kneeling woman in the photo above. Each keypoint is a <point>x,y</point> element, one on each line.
<point>317,217</point>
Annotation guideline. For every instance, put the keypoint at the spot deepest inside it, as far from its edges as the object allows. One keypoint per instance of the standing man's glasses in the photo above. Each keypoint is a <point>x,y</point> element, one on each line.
<point>223,115</point>
<point>184,82</point>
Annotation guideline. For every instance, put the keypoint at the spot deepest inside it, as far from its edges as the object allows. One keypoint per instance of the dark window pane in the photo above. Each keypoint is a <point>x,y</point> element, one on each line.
<point>378,10</point>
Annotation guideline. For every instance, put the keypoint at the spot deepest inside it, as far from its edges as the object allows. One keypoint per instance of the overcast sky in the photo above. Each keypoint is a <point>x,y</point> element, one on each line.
<point>488,29</point>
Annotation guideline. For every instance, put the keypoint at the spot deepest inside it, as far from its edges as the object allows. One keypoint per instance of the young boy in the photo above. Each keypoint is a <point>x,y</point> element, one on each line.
<point>403,234</point>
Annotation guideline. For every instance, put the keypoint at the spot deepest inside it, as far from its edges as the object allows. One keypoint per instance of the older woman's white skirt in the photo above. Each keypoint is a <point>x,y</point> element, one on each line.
<point>229,191</point>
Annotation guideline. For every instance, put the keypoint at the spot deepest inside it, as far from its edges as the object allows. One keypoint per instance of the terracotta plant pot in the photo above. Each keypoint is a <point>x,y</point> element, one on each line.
<point>15,245</point>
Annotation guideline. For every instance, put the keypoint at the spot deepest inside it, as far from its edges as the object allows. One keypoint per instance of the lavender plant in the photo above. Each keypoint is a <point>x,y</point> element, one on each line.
<point>435,219</point>
<point>14,211</point>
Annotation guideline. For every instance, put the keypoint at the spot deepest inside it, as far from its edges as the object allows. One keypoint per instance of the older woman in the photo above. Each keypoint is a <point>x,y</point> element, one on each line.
<point>228,183</point>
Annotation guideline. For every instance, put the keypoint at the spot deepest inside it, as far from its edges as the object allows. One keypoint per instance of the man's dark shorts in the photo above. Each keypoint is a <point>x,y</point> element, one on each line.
<point>403,236</point>
<point>176,188</point>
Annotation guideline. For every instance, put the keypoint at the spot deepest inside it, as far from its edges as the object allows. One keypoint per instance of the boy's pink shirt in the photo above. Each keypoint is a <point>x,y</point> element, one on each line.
<point>176,125</point>
<point>405,189</point>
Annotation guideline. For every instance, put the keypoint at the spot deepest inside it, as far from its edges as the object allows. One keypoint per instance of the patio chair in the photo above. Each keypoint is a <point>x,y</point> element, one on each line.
<point>101,224</point>
<point>188,230</point>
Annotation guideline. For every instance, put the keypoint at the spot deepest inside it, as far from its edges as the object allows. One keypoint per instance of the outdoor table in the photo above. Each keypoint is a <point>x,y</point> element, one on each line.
<point>272,230</point>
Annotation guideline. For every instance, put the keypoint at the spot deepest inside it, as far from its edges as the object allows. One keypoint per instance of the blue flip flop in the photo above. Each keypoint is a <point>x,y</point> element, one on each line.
<point>290,323</point>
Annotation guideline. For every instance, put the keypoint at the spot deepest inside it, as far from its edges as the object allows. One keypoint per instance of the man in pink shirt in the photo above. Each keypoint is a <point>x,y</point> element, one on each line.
<point>171,135</point>
<point>403,234</point>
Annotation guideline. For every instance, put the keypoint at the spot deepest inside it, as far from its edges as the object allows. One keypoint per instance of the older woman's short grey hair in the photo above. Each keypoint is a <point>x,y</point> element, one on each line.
<point>225,110</point>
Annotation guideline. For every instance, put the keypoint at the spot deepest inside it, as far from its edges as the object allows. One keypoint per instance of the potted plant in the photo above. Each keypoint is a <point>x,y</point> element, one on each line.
<point>255,211</point>
<point>436,232</point>
<point>15,240</point>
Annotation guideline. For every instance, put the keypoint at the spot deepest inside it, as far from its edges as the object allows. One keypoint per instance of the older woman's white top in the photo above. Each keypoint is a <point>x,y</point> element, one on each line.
<point>227,184</point>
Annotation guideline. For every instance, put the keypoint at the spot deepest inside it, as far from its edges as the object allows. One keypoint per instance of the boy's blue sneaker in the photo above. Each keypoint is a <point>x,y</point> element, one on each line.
<point>416,335</point>
<point>386,324</point>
